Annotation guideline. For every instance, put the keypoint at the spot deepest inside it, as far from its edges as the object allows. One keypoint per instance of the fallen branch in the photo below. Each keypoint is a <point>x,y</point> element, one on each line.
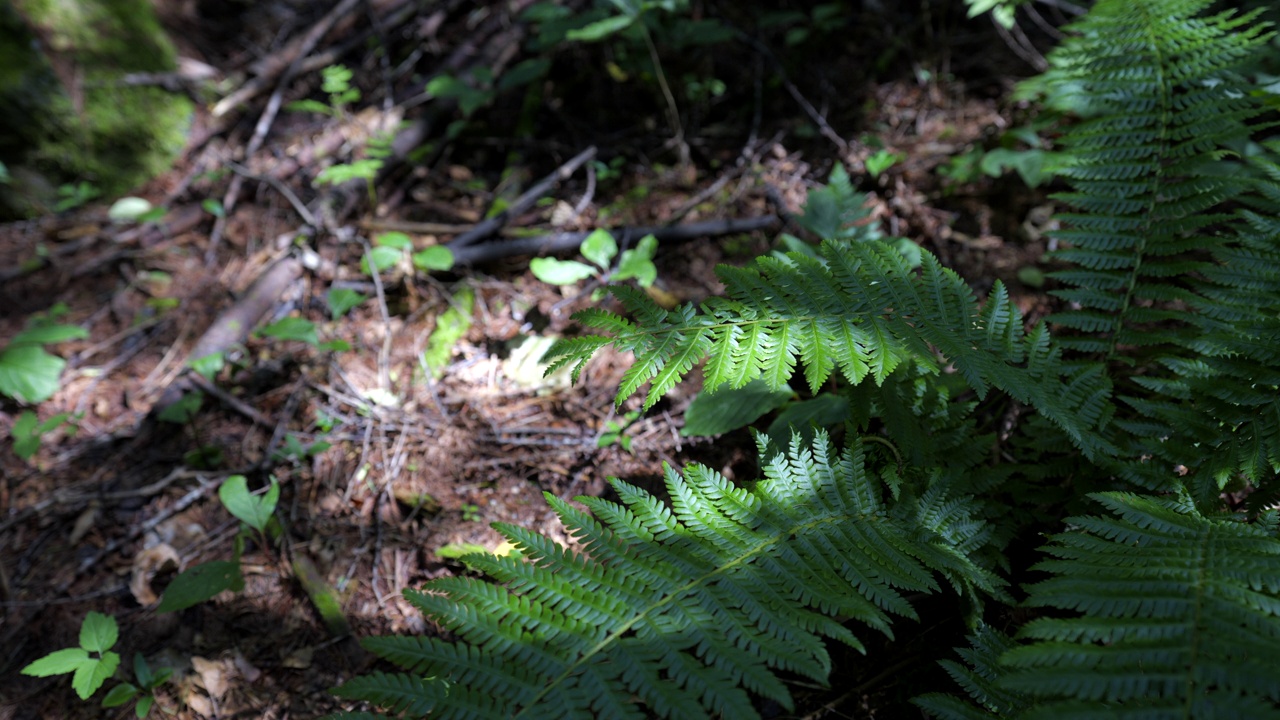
<point>560,242</point>
<point>522,203</point>
<point>234,325</point>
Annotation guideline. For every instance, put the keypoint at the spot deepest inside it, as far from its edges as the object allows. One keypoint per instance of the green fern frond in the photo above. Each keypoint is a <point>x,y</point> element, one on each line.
<point>680,608</point>
<point>861,309</point>
<point>1156,86</point>
<point>979,676</point>
<point>1179,617</point>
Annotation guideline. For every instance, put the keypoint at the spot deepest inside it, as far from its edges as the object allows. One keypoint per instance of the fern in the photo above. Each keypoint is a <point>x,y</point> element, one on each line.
<point>1163,375</point>
<point>1156,82</point>
<point>680,608</point>
<point>1171,615</point>
<point>860,308</point>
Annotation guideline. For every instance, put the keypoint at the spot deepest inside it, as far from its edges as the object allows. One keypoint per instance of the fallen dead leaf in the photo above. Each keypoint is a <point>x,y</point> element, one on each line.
<point>146,564</point>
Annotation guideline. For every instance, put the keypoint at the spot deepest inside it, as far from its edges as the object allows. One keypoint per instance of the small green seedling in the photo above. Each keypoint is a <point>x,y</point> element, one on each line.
<point>28,431</point>
<point>880,161</point>
<point>91,663</point>
<point>389,248</point>
<point>615,432</point>
<point>294,451</point>
<point>200,583</point>
<point>336,81</point>
<point>144,691</point>
<point>600,249</point>
<point>470,513</point>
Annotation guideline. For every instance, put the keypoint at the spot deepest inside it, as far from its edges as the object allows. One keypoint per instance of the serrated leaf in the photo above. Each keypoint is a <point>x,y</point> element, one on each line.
<point>825,410</point>
<point>90,676</point>
<point>292,328</point>
<point>726,409</point>
<point>98,632</point>
<point>560,272</point>
<point>59,662</point>
<point>197,584</point>
<point>599,248</point>
<point>450,327</point>
<point>252,510</point>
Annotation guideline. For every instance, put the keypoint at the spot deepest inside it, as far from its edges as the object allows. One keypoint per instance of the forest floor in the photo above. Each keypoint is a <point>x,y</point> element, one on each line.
<point>417,461</point>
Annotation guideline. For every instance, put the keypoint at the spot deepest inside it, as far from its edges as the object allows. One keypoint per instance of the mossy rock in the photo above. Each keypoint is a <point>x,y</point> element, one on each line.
<point>66,115</point>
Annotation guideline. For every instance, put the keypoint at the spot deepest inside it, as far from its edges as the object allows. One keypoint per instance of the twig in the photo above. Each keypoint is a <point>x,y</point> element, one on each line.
<point>281,188</point>
<point>268,117</point>
<point>522,203</point>
<point>384,369</point>
<point>559,242</point>
<point>823,126</point>
<point>425,228</point>
<point>183,503</point>
<point>280,65</point>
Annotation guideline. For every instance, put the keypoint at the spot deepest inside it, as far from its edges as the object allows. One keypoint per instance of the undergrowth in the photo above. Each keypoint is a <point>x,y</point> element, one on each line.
<point>1142,435</point>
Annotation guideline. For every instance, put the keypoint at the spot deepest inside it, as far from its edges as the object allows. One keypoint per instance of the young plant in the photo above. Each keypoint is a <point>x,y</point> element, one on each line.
<point>28,373</point>
<point>600,249</point>
<point>90,664</point>
<point>201,582</point>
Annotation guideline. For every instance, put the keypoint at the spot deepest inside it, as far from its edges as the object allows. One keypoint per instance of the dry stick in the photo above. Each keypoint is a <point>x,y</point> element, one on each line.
<point>281,188</point>
<point>234,325</point>
<point>522,203</point>
<point>558,242</point>
<point>268,117</point>
<point>823,126</point>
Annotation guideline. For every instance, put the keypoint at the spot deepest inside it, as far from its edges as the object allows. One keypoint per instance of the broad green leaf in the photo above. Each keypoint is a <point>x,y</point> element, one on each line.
<point>45,334</point>
<point>599,248</point>
<point>213,207</point>
<point>802,417</point>
<point>144,706</point>
<point>98,632</point>
<point>292,328</point>
<point>397,240</point>
<point>59,662</point>
<point>128,208</point>
<point>436,257</point>
<point>26,441</point>
<point>141,670</point>
<point>120,694</point>
<point>209,365</point>
<point>252,510</point>
<point>638,263</point>
<point>601,29</point>
<point>384,258</point>
<point>341,300</point>
<point>90,676</point>
<point>29,374</point>
<point>560,272</point>
<point>197,584</point>
<point>181,412</point>
<point>714,413</point>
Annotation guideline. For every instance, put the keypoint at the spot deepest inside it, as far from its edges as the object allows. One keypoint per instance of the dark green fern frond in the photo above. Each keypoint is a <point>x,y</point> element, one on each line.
<point>861,309</point>
<point>1178,617</point>
<point>1155,84</point>
<point>680,609</point>
<point>979,676</point>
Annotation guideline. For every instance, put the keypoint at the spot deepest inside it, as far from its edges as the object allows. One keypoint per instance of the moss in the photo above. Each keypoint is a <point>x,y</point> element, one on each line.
<point>120,136</point>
